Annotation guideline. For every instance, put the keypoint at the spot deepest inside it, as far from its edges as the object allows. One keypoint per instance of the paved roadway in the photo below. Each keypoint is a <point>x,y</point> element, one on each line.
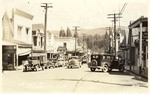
<point>65,80</point>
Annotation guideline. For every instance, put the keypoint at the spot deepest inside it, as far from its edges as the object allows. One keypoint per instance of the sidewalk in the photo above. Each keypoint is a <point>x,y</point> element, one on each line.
<point>137,76</point>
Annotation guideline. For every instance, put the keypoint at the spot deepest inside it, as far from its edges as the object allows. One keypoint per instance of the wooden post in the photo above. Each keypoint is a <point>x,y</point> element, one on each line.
<point>115,32</point>
<point>130,38</point>
<point>140,55</point>
<point>17,57</point>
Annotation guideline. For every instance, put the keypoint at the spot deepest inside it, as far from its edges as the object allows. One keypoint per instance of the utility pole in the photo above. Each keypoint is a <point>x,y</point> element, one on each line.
<point>115,16</point>
<point>114,19</point>
<point>83,41</point>
<point>110,39</point>
<point>46,6</point>
<point>76,29</point>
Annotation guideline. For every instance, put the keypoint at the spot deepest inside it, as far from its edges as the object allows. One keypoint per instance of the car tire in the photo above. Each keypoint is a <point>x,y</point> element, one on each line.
<point>43,67</point>
<point>121,68</point>
<point>109,69</point>
<point>25,69</point>
<point>93,69</point>
<point>105,68</point>
<point>94,63</point>
<point>36,68</point>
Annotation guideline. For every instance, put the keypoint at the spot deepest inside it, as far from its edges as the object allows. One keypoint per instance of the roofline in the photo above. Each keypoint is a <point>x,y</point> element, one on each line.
<point>23,14</point>
<point>138,21</point>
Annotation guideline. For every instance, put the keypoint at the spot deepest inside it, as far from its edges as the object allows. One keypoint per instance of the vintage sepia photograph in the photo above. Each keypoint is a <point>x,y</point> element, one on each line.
<point>74,46</point>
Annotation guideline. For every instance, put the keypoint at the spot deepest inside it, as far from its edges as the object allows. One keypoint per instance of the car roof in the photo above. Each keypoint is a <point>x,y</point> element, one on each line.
<point>103,54</point>
<point>34,56</point>
<point>73,56</point>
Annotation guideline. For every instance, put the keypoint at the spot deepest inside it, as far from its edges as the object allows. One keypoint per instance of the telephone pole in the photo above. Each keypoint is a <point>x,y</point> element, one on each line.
<point>83,41</point>
<point>114,19</point>
<point>76,29</point>
<point>115,16</point>
<point>46,6</point>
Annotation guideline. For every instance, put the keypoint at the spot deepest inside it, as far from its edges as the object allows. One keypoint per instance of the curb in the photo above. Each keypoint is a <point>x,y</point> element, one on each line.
<point>137,76</point>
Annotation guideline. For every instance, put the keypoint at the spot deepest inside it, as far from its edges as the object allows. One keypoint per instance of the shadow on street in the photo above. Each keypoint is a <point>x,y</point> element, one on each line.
<point>110,83</point>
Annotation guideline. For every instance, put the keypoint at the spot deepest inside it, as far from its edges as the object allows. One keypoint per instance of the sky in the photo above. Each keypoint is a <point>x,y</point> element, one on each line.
<point>88,14</point>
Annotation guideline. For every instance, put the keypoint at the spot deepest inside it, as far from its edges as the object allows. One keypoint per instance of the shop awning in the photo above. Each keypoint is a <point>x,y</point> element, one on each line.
<point>4,42</point>
<point>23,51</point>
<point>16,42</point>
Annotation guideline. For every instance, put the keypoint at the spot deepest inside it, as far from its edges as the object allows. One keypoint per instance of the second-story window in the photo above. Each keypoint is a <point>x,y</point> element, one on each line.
<point>35,40</point>
<point>27,30</point>
<point>41,42</point>
<point>33,32</point>
<point>19,31</point>
<point>65,45</point>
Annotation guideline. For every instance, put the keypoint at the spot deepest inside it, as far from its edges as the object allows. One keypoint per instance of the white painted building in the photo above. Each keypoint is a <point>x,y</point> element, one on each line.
<point>38,37</point>
<point>17,38</point>
<point>22,23</point>
<point>67,42</point>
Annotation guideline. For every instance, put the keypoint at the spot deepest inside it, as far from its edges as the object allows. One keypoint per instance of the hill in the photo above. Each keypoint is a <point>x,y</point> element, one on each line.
<point>99,31</point>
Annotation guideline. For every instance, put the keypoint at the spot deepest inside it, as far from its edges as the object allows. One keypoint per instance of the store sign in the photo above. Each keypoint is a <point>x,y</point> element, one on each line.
<point>39,54</point>
<point>145,42</point>
<point>144,35</point>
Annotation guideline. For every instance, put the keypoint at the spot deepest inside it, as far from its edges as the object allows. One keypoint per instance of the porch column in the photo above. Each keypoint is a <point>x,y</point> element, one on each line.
<point>17,57</point>
<point>140,53</point>
<point>130,38</point>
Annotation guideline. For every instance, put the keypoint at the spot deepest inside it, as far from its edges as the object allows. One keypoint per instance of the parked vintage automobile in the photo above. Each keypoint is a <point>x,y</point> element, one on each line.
<point>49,64</point>
<point>84,60</point>
<point>33,63</point>
<point>73,62</point>
<point>61,63</point>
<point>106,62</point>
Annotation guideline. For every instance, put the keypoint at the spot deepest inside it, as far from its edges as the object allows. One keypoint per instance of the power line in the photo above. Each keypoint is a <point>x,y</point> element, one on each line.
<point>115,16</point>
<point>76,29</point>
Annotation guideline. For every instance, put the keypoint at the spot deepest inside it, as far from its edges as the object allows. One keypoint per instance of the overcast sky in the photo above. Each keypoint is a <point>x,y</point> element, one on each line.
<point>83,13</point>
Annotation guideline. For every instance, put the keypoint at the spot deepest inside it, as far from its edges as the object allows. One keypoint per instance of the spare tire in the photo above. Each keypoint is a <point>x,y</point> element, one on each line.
<point>94,63</point>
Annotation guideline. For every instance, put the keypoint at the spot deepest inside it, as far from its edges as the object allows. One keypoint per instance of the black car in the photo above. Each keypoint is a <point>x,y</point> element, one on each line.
<point>84,59</point>
<point>33,63</point>
<point>106,62</point>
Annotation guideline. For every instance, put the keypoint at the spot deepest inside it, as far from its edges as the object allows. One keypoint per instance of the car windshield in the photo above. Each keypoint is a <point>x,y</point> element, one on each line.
<point>73,58</point>
<point>106,57</point>
<point>33,58</point>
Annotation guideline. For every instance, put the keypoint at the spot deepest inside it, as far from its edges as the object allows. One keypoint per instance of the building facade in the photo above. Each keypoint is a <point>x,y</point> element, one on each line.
<point>138,46</point>
<point>16,39</point>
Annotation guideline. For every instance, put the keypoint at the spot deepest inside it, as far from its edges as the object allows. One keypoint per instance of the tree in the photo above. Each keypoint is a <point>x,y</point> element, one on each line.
<point>106,42</point>
<point>62,33</point>
<point>68,33</point>
<point>76,34</point>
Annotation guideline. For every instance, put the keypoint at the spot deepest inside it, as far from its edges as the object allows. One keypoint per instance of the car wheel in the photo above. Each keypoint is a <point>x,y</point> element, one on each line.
<point>36,67</point>
<point>109,69</point>
<point>93,69</point>
<point>25,69</point>
<point>121,69</point>
<point>105,69</point>
<point>43,68</point>
<point>32,69</point>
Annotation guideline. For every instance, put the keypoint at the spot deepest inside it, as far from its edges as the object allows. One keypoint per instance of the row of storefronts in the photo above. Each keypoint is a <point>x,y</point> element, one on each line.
<point>21,39</point>
<point>135,48</point>
<point>16,38</point>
